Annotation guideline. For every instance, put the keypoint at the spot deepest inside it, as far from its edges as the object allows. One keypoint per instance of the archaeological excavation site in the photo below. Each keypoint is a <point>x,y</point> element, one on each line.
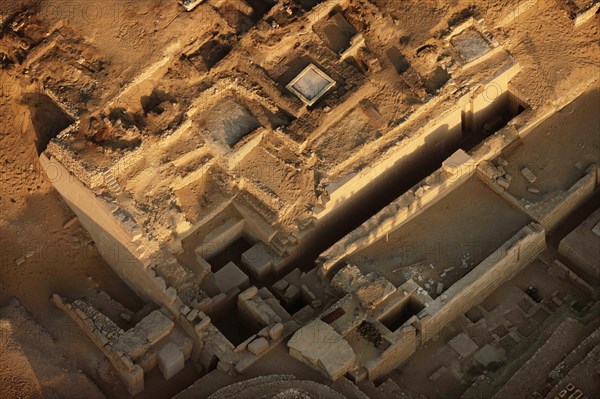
<point>300,199</point>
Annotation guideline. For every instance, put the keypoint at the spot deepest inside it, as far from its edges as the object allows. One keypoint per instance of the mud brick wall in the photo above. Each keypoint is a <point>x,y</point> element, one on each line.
<point>473,288</point>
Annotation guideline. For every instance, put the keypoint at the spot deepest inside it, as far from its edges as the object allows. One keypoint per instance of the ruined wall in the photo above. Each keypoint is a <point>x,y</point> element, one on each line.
<point>405,208</point>
<point>112,240</point>
<point>444,132</point>
<point>579,193</point>
<point>554,208</point>
<point>473,288</point>
<point>398,352</point>
<point>131,374</point>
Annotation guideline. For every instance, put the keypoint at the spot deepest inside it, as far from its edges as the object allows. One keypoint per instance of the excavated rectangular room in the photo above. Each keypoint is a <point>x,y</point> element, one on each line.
<point>438,247</point>
<point>311,84</point>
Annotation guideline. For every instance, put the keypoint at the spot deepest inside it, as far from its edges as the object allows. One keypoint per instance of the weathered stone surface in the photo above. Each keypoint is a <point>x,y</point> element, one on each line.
<point>276,331</point>
<point>258,260</point>
<point>463,345</point>
<point>258,346</point>
<point>170,360</point>
<point>320,346</point>
<point>231,276</point>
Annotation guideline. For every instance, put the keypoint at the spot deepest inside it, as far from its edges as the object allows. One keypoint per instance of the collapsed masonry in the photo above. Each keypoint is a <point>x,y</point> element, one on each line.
<point>205,208</point>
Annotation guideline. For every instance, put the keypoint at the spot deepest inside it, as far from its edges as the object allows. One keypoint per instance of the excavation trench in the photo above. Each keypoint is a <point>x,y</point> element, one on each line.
<point>471,129</point>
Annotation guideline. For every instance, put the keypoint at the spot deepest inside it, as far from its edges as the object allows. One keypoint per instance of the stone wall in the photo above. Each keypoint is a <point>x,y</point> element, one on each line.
<point>404,346</point>
<point>403,209</point>
<point>579,193</point>
<point>474,287</point>
<point>112,239</point>
<point>131,374</point>
<point>444,131</point>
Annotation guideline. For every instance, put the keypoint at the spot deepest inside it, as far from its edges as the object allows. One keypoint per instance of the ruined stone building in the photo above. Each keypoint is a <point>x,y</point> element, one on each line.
<point>333,198</point>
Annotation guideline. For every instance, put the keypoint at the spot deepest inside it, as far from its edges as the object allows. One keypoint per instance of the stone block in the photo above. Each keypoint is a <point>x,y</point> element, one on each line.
<point>230,277</point>
<point>258,346</point>
<point>456,162</point>
<point>155,326</point>
<point>192,314</point>
<point>170,360</point>
<point>528,175</point>
<point>258,260</point>
<point>276,331</point>
<point>292,294</point>
<point>281,285</point>
<point>463,345</point>
<point>249,293</point>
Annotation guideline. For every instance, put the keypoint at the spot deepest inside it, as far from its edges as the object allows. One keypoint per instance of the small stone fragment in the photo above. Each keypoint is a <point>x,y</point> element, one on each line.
<point>528,174</point>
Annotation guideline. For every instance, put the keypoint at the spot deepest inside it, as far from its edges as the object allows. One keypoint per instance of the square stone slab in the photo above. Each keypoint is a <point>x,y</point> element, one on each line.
<point>311,84</point>
<point>463,345</point>
<point>231,276</point>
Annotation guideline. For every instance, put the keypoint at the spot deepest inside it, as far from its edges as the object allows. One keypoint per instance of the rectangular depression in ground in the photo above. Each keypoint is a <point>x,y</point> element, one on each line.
<point>440,246</point>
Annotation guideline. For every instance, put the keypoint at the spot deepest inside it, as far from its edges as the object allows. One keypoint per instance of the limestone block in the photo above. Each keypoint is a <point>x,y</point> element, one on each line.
<point>171,294</point>
<point>503,182</point>
<point>248,293</point>
<point>258,346</point>
<point>230,277</point>
<point>292,294</point>
<point>463,345</point>
<point>192,314</point>
<point>170,360</point>
<point>276,331</point>
<point>528,174</point>
<point>457,162</point>
<point>201,325</point>
<point>281,285</point>
<point>155,326</point>
<point>318,345</point>
<point>258,260</point>
<point>160,282</point>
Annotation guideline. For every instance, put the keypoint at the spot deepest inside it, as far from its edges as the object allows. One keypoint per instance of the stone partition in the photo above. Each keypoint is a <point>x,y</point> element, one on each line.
<point>455,171</point>
<point>553,210</point>
<point>473,288</point>
<point>578,194</point>
<point>112,239</point>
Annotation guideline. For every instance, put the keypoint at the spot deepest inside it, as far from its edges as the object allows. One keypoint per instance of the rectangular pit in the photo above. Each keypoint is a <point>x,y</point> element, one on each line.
<point>336,32</point>
<point>231,253</point>
<point>232,325</point>
<point>453,236</point>
<point>400,313</point>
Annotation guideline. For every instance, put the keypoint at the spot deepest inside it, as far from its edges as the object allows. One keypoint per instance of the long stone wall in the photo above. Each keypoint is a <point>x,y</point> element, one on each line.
<point>112,239</point>
<point>553,209</point>
<point>480,282</point>
<point>579,193</point>
<point>403,209</point>
<point>444,131</point>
